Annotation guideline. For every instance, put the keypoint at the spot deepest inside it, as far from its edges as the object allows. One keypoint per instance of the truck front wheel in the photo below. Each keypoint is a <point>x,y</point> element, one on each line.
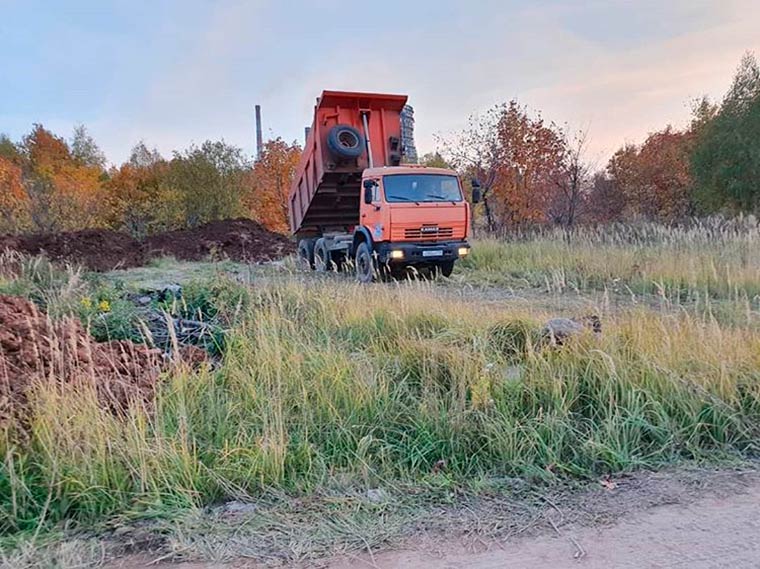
<point>446,268</point>
<point>365,271</point>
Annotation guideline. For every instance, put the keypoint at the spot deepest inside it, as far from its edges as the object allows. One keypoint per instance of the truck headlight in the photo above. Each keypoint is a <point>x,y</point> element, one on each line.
<point>397,254</point>
<point>463,251</point>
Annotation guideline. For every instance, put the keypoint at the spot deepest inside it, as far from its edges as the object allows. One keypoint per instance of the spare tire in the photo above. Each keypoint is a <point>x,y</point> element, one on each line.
<point>344,141</point>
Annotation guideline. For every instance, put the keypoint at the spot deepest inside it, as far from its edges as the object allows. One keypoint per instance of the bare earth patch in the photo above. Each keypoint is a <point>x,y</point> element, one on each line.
<point>692,518</point>
<point>709,531</point>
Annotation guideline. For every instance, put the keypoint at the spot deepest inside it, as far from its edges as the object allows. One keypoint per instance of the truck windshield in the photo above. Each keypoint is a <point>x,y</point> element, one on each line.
<point>421,188</point>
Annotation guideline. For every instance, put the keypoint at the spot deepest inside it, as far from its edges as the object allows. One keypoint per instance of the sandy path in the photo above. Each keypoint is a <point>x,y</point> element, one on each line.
<point>698,519</point>
<point>709,533</point>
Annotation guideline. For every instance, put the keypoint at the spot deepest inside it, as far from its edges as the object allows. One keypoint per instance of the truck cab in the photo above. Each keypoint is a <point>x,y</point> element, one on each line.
<point>354,202</point>
<point>415,217</point>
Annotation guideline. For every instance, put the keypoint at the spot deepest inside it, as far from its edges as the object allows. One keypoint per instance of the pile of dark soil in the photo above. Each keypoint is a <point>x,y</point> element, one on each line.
<point>36,350</point>
<point>236,239</point>
<point>102,250</point>
<point>97,249</point>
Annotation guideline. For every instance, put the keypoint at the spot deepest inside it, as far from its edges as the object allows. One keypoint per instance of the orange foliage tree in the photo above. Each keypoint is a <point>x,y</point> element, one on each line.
<point>140,198</point>
<point>14,202</point>
<point>64,193</point>
<point>516,157</point>
<point>654,179</point>
<point>532,154</point>
<point>269,183</point>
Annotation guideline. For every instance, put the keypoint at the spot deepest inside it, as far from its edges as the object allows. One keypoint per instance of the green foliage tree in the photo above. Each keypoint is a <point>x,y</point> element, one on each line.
<point>726,160</point>
<point>208,180</point>
<point>9,150</point>
<point>85,150</point>
<point>434,160</point>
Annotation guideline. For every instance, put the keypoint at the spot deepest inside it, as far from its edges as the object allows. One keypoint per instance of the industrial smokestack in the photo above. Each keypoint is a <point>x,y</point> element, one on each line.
<point>306,131</point>
<point>259,142</point>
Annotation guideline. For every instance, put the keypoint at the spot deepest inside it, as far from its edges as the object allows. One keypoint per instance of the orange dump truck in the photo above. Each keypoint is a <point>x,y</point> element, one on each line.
<point>354,200</point>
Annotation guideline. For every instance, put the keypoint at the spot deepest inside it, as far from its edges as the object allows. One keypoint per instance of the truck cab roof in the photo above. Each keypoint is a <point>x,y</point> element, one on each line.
<point>405,169</point>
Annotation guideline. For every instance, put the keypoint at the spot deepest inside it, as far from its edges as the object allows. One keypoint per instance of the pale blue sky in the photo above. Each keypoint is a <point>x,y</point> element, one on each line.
<point>173,72</point>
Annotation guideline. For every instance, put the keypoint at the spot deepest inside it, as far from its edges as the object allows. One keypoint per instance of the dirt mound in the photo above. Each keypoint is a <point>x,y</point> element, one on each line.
<point>102,250</point>
<point>236,239</point>
<point>35,350</point>
<point>97,249</point>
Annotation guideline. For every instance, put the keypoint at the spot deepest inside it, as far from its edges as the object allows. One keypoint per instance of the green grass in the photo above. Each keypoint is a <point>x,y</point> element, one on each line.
<point>378,385</point>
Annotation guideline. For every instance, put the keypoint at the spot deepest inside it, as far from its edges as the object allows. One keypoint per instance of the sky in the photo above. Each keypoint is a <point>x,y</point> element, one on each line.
<point>175,72</point>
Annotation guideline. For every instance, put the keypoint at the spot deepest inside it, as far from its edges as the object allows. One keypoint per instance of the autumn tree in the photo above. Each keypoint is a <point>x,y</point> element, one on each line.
<point>268,184</point>
<point>14,202</point>
<point>476,152</point>
<point>533,154</point>
<point>655,178</point>
<point>208,180</point>
<point>63,193</point>
<point>141,199</point>
<point>572,176</point>
<point>605,202</point>
<point>516,157</point>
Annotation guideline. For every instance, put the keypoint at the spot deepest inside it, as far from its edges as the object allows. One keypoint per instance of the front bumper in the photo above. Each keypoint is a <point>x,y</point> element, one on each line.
<point>420,253</point>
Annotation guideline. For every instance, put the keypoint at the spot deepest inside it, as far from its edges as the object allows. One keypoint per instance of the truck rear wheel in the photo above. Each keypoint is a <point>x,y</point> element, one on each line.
<point>306,254</point>
<point>365,270</point>
<point>321,256</point>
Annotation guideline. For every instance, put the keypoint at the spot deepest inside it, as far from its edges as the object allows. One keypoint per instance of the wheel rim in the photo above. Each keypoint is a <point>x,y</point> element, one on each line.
<point>347,139</point>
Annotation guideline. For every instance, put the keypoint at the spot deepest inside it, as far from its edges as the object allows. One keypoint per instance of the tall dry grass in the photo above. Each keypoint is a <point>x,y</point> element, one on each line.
<point>712,258</point>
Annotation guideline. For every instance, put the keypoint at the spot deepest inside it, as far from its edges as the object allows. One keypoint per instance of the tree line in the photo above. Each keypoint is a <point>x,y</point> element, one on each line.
<point>532,172</point>
<point>537,172</point>
<point>49,184</point>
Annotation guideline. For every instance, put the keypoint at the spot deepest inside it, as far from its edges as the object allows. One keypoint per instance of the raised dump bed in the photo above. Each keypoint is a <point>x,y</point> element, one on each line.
<point>326,192</point>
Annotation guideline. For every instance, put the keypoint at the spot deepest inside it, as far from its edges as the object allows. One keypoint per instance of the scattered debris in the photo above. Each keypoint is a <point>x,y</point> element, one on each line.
<point>558,330</point>
<point>607,483</point>
<point>234,508</point>
<point>513,372</point>
<point>165,330</point>
<point>377,496</point>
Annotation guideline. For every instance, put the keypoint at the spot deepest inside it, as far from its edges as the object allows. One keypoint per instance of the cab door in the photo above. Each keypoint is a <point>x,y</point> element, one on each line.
<point>375,216</point>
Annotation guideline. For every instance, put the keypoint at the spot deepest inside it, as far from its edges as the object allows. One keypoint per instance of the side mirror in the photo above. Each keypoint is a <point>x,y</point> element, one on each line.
<point>475,191</point>
<point>369,191</point>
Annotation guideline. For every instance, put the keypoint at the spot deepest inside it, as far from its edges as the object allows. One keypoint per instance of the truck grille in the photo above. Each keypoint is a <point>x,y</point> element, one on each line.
<point>429,232</point>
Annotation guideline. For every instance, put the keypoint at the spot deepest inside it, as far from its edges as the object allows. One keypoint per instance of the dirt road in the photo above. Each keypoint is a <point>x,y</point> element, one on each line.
<point>700,519</point>
<point>710,533</point>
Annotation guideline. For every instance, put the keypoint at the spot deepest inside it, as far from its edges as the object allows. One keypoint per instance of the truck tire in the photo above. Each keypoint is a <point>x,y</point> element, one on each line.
<point>365,269</point>
<point>306,254</point>
<point>344,141</point>
<point>321,256</point>
<point>446,268</point>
